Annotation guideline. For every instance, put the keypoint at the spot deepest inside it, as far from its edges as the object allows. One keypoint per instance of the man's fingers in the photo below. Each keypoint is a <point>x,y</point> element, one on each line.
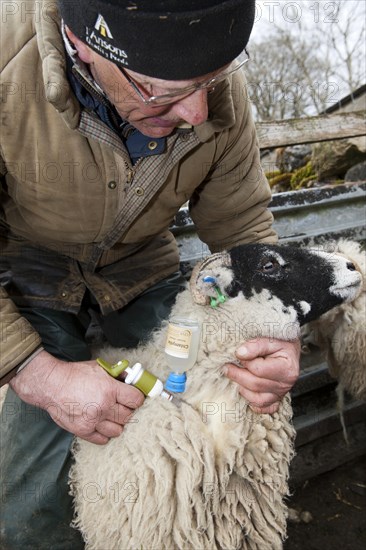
<point>109,429</point>
<point>266,367</point>
<point>255,384</point>
<point>255,379</point>
<point>120,414</point>
<point>129,396</point>
<point>270,409</point>
<point>268,370</point>
<point>258,347</point>
<point>280,369</point>
<point>259,400</point>
<point>263,347</point>
<point>96,438</point>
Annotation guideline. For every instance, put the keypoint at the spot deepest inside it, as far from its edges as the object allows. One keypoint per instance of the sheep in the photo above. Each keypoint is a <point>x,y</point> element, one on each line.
<point>341,332</point>
<point>209,474</point>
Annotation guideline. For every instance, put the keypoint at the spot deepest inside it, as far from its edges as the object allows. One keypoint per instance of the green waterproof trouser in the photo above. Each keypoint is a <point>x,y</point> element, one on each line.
<point>36,509</point>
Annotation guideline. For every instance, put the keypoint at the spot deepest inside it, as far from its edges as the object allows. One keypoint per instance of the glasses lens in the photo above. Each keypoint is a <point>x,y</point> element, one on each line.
<point>181,94</point>
<point>172,97</point>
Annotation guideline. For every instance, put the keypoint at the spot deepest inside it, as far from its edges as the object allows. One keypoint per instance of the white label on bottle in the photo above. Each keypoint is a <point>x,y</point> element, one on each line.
<point>178,341</point>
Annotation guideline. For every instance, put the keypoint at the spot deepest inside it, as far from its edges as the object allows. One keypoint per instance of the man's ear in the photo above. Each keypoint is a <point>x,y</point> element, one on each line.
<point>84,52</point>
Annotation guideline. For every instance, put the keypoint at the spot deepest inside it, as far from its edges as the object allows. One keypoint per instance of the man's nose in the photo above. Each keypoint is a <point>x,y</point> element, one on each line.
<point>193,108</point>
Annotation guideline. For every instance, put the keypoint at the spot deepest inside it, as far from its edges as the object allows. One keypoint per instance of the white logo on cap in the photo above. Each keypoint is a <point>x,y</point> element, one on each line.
<point>97,41</point>
<point>102,27</point>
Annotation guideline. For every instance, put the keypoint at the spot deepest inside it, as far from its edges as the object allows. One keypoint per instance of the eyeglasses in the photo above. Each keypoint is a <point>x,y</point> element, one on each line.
<point>178,95</point>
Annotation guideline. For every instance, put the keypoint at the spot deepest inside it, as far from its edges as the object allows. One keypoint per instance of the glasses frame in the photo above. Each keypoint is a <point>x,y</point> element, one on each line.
<point>170,97</point>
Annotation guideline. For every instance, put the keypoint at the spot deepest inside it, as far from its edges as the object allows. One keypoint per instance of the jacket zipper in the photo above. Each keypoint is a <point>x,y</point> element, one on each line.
<point>131,171</point>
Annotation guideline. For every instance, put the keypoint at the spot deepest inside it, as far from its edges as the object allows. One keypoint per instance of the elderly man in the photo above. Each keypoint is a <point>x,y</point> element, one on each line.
<point>115,113</point>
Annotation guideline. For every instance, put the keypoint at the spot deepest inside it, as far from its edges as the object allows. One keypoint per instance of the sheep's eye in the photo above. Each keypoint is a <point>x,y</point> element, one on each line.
<point>269,266</point>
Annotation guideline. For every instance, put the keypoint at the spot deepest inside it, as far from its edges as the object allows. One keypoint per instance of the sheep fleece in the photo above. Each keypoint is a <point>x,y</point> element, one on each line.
<point>208,476</point>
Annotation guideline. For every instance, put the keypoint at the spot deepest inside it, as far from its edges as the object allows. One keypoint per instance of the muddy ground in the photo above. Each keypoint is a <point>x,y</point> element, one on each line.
<point>336,502</point>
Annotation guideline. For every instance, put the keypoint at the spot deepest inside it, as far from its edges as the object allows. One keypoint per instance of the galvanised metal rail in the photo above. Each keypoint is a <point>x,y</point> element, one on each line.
<point>307,217</point>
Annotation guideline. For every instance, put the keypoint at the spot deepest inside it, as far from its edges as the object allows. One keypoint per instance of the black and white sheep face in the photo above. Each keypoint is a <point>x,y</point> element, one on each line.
<point>308,282</point>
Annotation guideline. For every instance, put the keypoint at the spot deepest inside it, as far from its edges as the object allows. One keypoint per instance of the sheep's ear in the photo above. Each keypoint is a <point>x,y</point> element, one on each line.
<point>210,277</point>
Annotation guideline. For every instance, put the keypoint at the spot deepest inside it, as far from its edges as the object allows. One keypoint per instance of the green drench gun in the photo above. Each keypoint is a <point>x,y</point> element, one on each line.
<point>137,376</point>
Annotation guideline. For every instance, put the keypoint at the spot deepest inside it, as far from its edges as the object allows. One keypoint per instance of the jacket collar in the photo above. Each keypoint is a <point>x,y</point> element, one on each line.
<point>221,111</point>
<point>58,91</point>
<point>52,52</point>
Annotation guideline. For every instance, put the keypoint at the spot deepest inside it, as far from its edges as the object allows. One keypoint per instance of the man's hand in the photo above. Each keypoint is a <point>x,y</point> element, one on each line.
<point>269,370</point>
<point>80,397</point>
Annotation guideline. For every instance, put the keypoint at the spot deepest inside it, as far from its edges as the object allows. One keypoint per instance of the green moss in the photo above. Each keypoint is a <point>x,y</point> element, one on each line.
<point>272,174</point>
<point>281,179</point>
<point>302,176</point>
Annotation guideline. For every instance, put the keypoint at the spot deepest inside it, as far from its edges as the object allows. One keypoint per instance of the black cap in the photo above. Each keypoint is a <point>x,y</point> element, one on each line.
<point>168,39</point>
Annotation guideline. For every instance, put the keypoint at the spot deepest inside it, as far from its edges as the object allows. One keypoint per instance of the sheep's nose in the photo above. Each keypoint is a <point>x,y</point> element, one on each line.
<point>351,266</point>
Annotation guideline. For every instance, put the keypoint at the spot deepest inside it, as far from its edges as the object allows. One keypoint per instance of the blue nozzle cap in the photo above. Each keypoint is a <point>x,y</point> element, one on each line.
<point>176,382</point>
<point>209,279</point>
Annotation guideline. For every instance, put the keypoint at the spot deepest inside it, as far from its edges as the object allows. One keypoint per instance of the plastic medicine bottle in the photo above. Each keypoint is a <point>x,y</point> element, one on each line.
<point>181,350</point>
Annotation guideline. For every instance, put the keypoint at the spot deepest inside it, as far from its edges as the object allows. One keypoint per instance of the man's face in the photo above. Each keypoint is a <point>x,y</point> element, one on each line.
<point>151,120</point>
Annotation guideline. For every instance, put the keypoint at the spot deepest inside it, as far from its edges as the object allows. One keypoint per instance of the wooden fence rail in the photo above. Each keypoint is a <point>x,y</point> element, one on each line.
<point>281,133</point>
